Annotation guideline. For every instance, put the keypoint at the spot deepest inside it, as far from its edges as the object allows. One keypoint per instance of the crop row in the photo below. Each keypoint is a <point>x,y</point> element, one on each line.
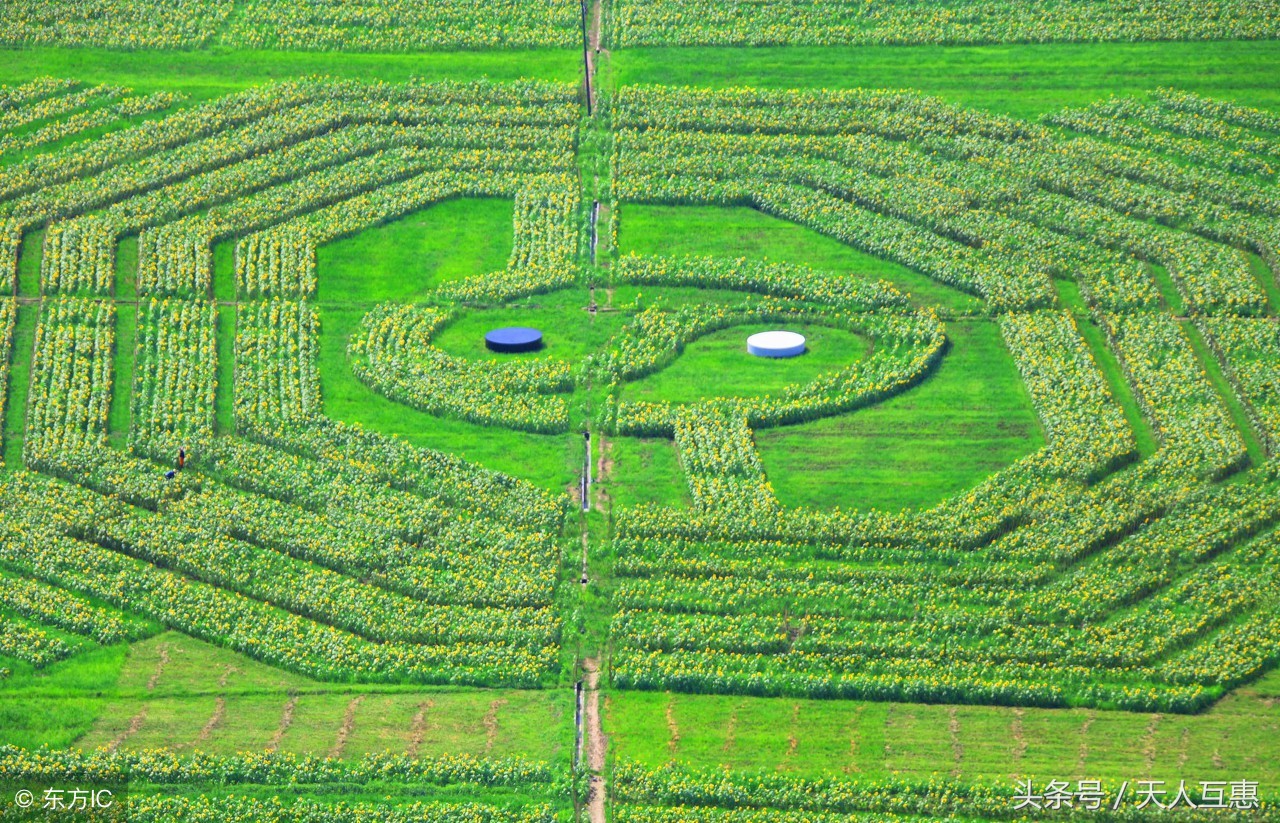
<point>676,792</point>
<point>166,767</point>
<point>57,106</point>
<point>1087,431</point>
<point>1250,351</point>
<point>205,809</point>
<point>89,120</point>
<point>979,202</point>
<point>428,473</point>
<point>1177,133</point>
<point>10,242</point>
<point>248,626</point>
<point>911,22</point>
<point>277,120</point>
<point>12,97</point>
<point>175,376</point>
<point>204,553</point>
<point>78,256</point>
<point>276,263</point>
<point>8,320</point>
<point>277,382</point>
<point>1224,110</point>
<point>55,607</point>
<point>469,561</point>
<point>71,378</point>
<point>1184,409</point>
<point>31,644</point>
<point>170,24</point>
<point>523,562</point>
<point>401,25</point>
<point>720,460</point>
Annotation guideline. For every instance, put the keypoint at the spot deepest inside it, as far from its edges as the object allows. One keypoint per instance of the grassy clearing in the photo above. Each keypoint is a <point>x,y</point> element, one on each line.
<point>29,255</point>
<point>203,74</point>
<point>182,693</point>
<point>406,259</point>
<point>402,262</point>
<point>548,460</point>
<point>968,419</point>
<point>1021,80</point>
<point>981,744</point>
<point>643,470</point>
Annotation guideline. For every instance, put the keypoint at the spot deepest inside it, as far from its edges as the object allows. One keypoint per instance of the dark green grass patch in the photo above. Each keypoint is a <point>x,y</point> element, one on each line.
<point>122,377</point>
<point>642,470</point>
<point>403,261</point>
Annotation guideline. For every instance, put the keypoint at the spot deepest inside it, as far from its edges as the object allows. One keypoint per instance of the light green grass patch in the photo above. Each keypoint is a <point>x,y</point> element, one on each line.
<point>968,419</point>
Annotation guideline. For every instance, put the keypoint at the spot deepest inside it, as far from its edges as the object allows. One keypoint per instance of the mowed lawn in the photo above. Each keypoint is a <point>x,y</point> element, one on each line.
<point>1020,80</point>
<point>1238,738</point>
<point>970,417</point>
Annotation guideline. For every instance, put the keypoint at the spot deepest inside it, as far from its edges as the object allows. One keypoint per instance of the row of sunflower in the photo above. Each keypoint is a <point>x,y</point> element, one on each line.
<point>37,546</point>
<point>401,25</point>
<point>86,121</point>
<point>952,22</point>
<point>392,354</point>
<point>1249,348</point>
<point>133,25</point>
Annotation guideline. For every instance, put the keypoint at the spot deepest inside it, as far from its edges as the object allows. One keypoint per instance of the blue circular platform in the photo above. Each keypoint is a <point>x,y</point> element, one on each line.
<point>513,339</point>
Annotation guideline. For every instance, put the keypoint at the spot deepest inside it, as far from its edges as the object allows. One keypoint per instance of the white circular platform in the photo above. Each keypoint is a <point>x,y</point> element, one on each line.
<point>776,344</point>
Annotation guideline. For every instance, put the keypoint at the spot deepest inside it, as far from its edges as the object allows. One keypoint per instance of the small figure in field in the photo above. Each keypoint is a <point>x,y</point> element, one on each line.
<point>182,458</point>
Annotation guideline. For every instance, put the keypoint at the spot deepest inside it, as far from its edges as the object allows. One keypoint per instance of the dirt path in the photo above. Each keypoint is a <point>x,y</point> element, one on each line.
<point>957,748</point>
<point>596,741</point>
<point>286,720</point>
<point>348,726</point>
<point>161,664</point>
<point>219,713</point>
<point>491,725</point>
<point>135,725</point>
<point>418,731</point>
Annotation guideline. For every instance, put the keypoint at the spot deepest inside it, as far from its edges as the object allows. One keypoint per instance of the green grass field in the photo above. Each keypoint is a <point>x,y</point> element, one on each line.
<point>983,744</point>
<point>969,418</point>
<point>172,691</point>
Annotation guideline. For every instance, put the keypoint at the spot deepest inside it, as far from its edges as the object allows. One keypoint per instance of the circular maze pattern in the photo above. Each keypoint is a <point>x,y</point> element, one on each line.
<point>1123,249</point>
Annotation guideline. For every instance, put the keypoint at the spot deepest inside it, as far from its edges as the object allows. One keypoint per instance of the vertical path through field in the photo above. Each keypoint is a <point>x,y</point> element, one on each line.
<point>594,175</point>
<point>595,740</point>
